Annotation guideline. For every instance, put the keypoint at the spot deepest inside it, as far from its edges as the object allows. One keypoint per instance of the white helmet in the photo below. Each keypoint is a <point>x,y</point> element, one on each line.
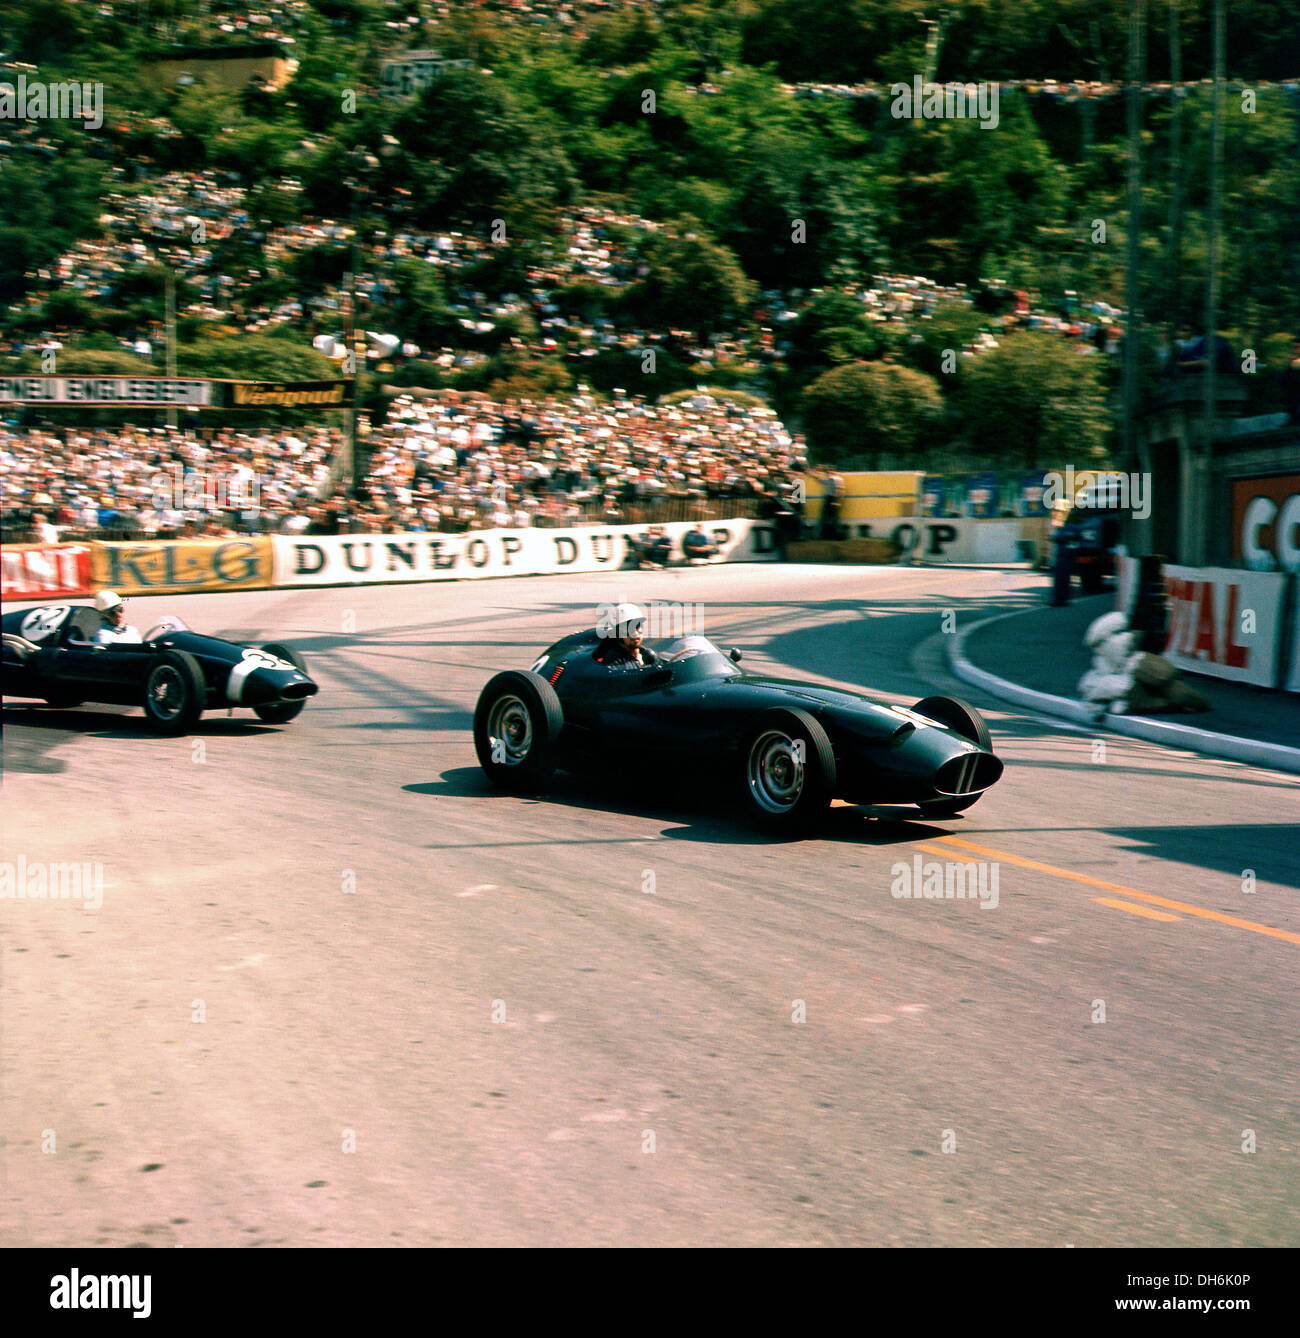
<point>106,600</point>
<point>620,620</point>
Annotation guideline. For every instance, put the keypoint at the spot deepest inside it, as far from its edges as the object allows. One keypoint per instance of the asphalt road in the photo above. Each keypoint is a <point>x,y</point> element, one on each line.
<point>337,992</point>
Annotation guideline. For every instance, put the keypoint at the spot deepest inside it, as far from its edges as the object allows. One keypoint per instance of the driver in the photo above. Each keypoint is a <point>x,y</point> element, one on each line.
<point>114,630</point>
<point>621,636</point>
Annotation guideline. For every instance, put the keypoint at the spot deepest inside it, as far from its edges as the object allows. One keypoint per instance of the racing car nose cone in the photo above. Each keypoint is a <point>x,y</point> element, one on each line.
<point>270,685</point>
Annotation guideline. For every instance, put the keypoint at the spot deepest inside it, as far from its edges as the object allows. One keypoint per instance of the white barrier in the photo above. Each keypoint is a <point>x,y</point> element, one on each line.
<point>1293,682</point>
<point>940,539</point>
<point>1226,623</point>
<point>363,559</point>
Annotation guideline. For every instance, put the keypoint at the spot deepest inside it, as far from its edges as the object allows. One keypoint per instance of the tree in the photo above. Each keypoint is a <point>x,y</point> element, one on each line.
<point>692,283</point>
<point>869,409</point>
<point>255,358</point>
<point>466,144</point>
<point>1034,401</point>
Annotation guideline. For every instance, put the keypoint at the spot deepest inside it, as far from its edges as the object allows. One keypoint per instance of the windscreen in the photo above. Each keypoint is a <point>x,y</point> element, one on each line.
<point>168,624</point>
<point>693,657</point>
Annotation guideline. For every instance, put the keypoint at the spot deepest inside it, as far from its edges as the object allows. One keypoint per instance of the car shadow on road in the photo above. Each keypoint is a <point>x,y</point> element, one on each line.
<point>108,723</point>
<point>694,808</point>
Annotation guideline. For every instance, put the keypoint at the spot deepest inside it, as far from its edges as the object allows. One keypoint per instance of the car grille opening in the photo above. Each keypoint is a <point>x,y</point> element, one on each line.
<point>968,774</point>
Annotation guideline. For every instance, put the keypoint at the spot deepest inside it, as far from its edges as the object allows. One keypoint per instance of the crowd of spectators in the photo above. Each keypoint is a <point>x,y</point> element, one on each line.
<point>450,463</point>
<point>196,221</point>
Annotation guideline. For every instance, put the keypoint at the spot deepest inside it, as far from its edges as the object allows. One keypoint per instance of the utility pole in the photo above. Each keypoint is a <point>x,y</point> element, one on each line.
<point>344,472</point>
<point>1206,449</point>
<point>169,317</point>
<point>1132,276</point>
<point>933,37</point>
<point>1173,314</point>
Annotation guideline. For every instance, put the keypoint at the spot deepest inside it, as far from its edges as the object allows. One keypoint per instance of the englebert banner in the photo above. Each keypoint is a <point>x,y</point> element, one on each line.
<point>348,559</point>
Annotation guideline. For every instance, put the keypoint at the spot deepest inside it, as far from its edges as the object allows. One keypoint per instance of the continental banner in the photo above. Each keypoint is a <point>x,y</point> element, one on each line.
<point>356,559</point>
<point>185,566</point>
<point>1226,623</point>
<point>287,394</point>
<point>35,571</point>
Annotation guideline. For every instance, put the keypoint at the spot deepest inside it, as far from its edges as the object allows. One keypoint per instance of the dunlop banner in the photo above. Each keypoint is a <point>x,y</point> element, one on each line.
<point>315,394</point>
<point>37,571</point>
<point>186,566</point>
<point>365,558</point>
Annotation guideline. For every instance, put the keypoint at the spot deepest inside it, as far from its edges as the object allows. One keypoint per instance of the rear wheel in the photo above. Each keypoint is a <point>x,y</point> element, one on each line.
<point>280,713</point>
<point>517,725</point>
<point>175,692</point>
<point>967,722</point>
<point>788,771</point>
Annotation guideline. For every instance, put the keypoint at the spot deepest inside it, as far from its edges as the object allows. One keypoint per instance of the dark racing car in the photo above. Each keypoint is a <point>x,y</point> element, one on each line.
<point>783,747</point>
<point>173,673</point>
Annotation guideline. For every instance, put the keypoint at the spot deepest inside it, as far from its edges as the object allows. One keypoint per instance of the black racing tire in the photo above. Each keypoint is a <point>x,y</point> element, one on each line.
<point>175,692</point>
<point>280,713</point>
<point>517,725</point>
<point>788,771</point>
<point>968,722</point>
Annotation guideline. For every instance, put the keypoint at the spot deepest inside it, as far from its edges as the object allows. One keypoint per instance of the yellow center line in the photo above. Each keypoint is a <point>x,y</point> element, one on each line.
<point>1284,934</point>
<point>932,849</point>
<point>1134,910</point>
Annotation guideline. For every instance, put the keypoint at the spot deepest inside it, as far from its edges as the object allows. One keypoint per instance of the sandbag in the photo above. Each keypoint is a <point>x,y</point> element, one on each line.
<point>1153,671</point>
<point>1183,697</point>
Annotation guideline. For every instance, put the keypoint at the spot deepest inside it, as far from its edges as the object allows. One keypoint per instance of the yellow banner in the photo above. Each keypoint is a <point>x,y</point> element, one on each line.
<point>182,566</point>
<point>868,495</point>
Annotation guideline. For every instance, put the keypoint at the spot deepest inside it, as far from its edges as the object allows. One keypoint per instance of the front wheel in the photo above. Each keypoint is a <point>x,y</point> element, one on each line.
<point>517,725</point>
<point>280,713</point>
<point>175,692</point>
<point>789,771</point>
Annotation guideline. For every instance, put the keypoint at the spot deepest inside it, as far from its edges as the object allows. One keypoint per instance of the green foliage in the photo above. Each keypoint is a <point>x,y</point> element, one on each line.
<point>693,283</point>
<point>1033,400</point>
<point>869,409</point>
<point>814,193</point>
<point>81,358</point>
<point>949,327</point>
<point>466,145</point>
<point>254,358</point>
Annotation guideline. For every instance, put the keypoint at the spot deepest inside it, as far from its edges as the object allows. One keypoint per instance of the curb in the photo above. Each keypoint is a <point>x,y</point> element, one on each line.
<point>1251,751</point>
